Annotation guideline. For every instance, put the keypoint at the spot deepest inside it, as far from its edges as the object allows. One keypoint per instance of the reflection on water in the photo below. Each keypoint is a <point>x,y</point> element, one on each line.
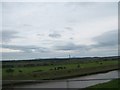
<point>75,84</point>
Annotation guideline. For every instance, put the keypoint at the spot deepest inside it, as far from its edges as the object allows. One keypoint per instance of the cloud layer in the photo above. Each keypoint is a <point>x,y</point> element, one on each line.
<point>8,35</point>
<point>27,49</point>
<point>54,35</point>
<point>40,30</point>
<point>107,39</point>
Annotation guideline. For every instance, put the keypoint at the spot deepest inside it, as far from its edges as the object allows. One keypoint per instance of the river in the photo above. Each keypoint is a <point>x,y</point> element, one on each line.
<point>74,82</point>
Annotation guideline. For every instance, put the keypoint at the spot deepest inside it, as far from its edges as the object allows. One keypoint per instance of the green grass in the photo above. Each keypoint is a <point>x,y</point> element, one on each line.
<point>47,68</point>
<point>110,84</point>
<point>71,70</point>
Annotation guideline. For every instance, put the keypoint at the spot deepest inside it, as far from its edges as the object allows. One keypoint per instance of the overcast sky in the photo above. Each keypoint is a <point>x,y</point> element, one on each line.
<point>51,30</point>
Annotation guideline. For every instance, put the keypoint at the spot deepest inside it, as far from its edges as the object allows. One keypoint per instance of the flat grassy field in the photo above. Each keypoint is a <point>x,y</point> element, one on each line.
<point>110,84</point>
<point>49,71</point>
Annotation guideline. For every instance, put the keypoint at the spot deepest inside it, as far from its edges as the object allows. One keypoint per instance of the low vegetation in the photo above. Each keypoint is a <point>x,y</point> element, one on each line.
<point>56,68</point>
<point>111,84</point>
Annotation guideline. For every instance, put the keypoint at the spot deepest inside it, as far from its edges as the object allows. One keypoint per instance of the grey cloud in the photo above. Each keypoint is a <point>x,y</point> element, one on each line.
<point>69,28</point>
<point>88,4</point>
<point>40,34</point>
<point>27,25</point>
<point>81,4</point>
<point>71,38</point>
<point>71,47</point>
<point>8,35</point>
<point>27,49</point>
<point>54,35</point>
<point>107,39</point>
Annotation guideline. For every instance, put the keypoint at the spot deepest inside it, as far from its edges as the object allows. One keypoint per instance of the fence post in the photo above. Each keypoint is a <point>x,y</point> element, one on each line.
<point>67,84</point>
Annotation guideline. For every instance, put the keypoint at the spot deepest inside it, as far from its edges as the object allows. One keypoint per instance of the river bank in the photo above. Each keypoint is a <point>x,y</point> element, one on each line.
<point>111,84</point>
<point>72,83</point>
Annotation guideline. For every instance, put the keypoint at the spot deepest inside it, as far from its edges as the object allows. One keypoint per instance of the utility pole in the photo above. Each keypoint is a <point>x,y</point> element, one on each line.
<point>69,56</point>
<point>67,84</point>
